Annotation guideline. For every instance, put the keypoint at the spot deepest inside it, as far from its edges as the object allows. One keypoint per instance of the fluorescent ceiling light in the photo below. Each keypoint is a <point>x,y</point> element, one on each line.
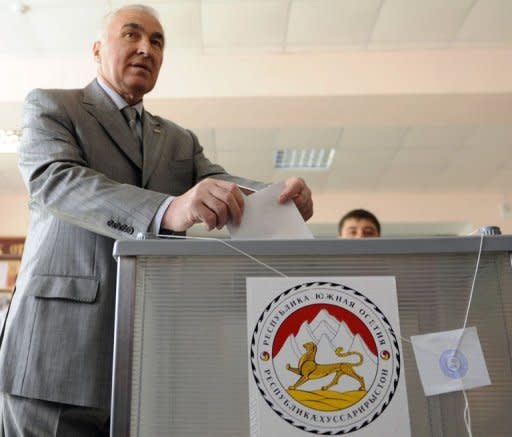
<point>304,159</point>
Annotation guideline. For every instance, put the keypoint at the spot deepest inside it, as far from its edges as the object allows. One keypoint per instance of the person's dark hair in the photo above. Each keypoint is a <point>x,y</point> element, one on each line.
<point>359,214</point>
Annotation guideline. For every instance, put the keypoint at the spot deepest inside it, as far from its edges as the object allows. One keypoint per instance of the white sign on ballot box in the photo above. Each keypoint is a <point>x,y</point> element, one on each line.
<point>325,357</point>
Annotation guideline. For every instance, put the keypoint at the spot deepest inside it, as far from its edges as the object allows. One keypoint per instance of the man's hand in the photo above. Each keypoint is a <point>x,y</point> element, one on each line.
<point>211,201</point>
<point>296,189</point>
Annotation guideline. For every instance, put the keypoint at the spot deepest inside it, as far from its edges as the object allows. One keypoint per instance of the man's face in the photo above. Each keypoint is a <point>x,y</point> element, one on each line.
<point>358,228</point>
<point>130,54</point>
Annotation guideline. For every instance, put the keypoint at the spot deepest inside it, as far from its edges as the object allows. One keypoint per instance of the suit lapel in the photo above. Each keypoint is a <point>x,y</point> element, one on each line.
<point>153,143</point>
<point>99,105</point>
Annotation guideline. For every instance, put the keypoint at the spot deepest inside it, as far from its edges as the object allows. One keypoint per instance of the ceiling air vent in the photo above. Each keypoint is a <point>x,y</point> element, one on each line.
<point>303,159</point>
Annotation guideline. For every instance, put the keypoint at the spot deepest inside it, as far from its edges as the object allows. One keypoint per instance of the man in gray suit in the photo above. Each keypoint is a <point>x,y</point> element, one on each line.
<point>94,177</point>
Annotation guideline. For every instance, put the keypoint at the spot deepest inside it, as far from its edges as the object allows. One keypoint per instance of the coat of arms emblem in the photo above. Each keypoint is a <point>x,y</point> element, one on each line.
<point>325,358</point>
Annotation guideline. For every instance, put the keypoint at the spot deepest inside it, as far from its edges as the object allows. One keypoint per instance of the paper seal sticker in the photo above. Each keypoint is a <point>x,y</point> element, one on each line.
<point>450,361</point>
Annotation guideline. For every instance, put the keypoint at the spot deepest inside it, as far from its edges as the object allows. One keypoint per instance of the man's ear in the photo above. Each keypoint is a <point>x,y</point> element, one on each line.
<point>96,48</point>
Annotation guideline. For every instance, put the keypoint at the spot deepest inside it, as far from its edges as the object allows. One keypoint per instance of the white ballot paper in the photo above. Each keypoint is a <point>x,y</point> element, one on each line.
<point>450,361</point>
<point>265,218</point>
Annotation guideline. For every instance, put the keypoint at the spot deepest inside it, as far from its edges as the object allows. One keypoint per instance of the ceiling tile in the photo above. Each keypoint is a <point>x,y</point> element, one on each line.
<point>478,161</point>
<point>151,3</point>
<point>491,137</point>
<point>474,161</point>
<point>363,160</point>
<point>250,23</point>
<point>501,179</point>
<point>468,171</point>
<point>331,23</point>
<point>489,21</point>
<point>358,169</point>
<point>307,138</point>
<point>407,45</point>
<point>405,179</point>
<point>487,151</point>
<point>414,175</point>
<point>39,4</point>
<point>242,50</point>
<point>370,137</point>
<point>460,181</point>
<point>353,178</point>
<point>435,137</point>
<point>247,163</point>
<point>71,35</point>
<point>316,180</point>
<point>246,140</point>
<point>434,159</point>
<point>418,162</point>
<point>266,26</point>
<point>419,20</point>
<point>417,168</point>
<point>181,21</point>
<point>16,32</point>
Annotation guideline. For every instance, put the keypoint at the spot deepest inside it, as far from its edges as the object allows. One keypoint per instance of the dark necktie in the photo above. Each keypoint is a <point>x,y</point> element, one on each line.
<point>130,114</point>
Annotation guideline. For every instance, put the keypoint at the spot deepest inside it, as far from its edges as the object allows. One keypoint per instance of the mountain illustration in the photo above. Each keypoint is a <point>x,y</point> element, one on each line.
<point>359,345</point>
<point>325,352</point>
<point>328,334</point>
<point>343,337</point>
<point>325,319</point>
<point>369,367</point>
<point>323,328</point>
<point>303,336</point>
<point>287,356</point>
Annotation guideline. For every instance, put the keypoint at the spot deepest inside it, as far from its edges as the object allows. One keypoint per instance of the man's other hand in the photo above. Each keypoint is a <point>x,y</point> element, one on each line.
<point>212,202</point>
<point>296,189</point>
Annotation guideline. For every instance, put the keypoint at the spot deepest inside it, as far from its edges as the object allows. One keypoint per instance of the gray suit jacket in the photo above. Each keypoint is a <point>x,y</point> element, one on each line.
<point>88,186</point>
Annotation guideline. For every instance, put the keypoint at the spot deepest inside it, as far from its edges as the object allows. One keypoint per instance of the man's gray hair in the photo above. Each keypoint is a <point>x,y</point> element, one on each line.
<point>135,7</point>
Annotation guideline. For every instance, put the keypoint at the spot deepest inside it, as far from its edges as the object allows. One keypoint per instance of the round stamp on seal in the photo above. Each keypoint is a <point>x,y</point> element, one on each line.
<point>453,363</point>
<point>325,358</point>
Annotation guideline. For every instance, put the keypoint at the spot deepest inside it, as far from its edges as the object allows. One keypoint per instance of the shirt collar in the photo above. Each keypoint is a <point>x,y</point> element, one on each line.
<point>117,99</point>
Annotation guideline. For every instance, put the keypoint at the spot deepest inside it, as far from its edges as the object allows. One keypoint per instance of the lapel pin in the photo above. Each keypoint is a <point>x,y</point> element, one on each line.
<point>156,130</point>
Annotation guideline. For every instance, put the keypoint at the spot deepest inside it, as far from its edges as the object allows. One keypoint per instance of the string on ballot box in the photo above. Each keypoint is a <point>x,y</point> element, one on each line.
<point>220,240</point>
<point>467,411</point>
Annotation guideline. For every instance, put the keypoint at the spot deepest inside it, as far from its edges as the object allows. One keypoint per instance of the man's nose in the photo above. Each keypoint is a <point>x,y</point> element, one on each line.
<point>144,47</point>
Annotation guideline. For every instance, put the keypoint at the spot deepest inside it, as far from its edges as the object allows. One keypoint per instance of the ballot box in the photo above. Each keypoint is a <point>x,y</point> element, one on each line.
<point>181,362</point>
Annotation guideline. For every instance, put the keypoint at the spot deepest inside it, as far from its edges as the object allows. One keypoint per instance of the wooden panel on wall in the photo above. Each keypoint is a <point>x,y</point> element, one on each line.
<point>12,246</point>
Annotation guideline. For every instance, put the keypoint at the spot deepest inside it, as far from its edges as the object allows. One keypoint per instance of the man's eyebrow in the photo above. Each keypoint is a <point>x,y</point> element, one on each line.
<point>137,26</point>
<point>132,26</point>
